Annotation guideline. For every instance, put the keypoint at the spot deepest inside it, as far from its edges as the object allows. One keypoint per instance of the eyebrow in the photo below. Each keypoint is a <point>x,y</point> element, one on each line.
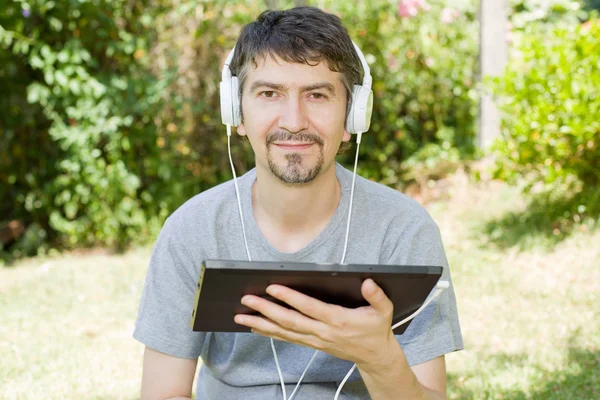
<point>281,87</point>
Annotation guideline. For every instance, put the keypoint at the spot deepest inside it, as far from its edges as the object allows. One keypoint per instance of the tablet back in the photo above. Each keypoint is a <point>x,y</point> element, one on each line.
<point>223,283</point>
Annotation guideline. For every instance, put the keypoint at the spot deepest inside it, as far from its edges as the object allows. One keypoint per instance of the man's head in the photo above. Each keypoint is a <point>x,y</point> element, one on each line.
<point>296,70</point>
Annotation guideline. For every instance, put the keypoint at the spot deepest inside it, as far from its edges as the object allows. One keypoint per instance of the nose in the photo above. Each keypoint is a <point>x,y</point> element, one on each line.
<point>293,117</point>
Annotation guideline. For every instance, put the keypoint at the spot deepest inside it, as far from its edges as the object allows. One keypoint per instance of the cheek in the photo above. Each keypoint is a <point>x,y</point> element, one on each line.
<point>329,117</point>
<point>331,126</point>
<point>261,120</point>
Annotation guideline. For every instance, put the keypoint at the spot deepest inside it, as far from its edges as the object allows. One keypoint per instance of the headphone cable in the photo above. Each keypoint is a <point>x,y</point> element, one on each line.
<point>237,193</point>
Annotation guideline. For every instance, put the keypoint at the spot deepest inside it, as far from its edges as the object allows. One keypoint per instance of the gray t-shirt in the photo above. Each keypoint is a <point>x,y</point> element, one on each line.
<point>387,227</point>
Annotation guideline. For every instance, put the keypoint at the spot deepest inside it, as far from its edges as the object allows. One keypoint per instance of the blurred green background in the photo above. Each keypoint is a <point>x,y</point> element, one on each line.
<point>110,112</point>
<point>110,120</point>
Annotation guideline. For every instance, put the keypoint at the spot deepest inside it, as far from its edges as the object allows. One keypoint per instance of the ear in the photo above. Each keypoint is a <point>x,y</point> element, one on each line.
<point>241,130</point>
<point>346,137</point>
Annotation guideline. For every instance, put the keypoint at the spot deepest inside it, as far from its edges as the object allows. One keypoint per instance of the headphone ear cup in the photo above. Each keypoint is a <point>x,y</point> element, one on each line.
<point>235,101</point>
<point>363,110</point>
<point>226,107</point>
<point>359,118</point>
<point>230,102</point>
<point>351,119</point>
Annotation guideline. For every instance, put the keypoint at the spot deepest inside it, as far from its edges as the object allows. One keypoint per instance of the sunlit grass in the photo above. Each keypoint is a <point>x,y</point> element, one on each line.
<point>68,325</point>
<point>530,318</point>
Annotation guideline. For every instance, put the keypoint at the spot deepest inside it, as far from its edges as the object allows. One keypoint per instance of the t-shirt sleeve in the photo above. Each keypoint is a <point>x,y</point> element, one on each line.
<point>436,330</point>
<point>163,321</point>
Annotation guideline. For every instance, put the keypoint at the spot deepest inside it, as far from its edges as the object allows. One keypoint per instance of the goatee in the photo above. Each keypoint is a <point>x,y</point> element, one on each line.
<point>295,171</point>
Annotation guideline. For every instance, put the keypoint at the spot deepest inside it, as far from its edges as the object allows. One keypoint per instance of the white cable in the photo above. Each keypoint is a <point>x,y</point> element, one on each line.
<point>279,370</point>
<point>237,193</point>
<point>304,373</point>
<point>358,137</point>
<point>237,190</point>
<point>440,287</point>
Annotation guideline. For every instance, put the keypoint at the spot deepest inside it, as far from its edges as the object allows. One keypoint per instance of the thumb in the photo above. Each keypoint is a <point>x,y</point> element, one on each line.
<point>376,297</point>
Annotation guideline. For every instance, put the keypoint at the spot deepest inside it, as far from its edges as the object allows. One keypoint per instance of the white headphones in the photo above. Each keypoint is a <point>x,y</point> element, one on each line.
<point>359,118</point>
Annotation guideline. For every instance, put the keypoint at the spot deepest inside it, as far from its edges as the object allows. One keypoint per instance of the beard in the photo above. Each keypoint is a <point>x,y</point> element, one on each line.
<point>295,169</point>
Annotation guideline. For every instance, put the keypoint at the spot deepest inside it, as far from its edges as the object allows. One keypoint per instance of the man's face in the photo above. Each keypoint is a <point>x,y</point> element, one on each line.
<point>294,117</point>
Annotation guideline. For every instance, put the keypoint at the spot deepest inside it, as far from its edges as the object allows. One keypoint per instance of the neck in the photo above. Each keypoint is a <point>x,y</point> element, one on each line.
<point>295,208</point>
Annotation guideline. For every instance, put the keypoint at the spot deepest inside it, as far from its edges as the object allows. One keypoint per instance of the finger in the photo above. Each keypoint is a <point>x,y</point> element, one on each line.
<point>289,319</point>
<point>287,338</point>
<point>309,306</point>
<point>376,297</point>
<point>267,334</point>
<point>266,327</point>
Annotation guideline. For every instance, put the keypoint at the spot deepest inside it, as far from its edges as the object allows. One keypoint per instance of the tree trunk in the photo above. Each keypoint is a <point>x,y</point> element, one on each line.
<point>271,4</point>
<point>493,55</point>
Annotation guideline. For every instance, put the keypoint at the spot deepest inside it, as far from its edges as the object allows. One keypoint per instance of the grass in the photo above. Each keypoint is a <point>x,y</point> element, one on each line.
<point>67,327</point>
<point>530,316</point>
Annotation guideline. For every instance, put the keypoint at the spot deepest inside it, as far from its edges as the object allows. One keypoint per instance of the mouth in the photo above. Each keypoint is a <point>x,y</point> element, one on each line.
<point>294,146</point>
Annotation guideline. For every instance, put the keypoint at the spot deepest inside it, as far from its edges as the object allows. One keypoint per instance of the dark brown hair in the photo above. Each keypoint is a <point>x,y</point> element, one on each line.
<point>304,35</point>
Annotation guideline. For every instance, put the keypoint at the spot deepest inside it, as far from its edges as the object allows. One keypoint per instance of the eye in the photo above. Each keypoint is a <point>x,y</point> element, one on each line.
<point>318,96</point>
<point>269,94</point>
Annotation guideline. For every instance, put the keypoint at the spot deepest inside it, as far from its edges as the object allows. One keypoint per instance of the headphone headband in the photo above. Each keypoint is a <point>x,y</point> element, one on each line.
<point>367,80</point>
<point>226,73</point>
<point>358,119</point>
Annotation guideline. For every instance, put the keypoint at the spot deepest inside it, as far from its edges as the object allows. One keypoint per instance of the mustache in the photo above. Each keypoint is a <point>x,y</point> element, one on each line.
<point>285,136</point>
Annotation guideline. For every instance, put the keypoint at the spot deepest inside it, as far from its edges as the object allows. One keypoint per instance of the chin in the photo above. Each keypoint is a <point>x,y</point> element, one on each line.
<point>295,169</point>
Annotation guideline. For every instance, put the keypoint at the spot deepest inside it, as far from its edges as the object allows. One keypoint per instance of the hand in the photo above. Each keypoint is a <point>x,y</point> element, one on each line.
<point>362,335</point>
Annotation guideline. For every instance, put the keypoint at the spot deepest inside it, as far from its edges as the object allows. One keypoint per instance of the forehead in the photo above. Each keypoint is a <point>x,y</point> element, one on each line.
<point>294,75</point>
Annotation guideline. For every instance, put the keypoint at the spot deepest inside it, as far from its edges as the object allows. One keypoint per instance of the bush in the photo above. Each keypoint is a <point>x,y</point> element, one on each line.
<point>526,12</point>
<point>80,96</point>
<point>112,118</point>
<point>551,115</point>
<point>423,58</point>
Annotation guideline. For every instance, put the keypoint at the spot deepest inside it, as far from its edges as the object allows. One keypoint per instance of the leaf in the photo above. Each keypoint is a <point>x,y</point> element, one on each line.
<point>61,78</point>
<point>49,76</point>
<point>70,210</point>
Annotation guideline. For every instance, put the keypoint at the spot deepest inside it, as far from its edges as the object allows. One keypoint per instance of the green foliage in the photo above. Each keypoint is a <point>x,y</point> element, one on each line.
<point>112,110</point>
<point>423,69</point>
<point>78,73</point>
<point>551,117</point>
<point>526,12</point>
<point>591,4</point>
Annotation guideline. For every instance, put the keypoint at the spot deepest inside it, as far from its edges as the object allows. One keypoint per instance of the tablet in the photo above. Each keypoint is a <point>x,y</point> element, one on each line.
<point>223,283</point>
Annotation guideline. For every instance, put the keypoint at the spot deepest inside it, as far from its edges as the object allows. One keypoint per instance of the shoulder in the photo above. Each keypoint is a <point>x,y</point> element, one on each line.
<point>398,226</point>
<point>200,215</point>
<point>386,203</point>
<point>383,195</point>
<point>204,203</point>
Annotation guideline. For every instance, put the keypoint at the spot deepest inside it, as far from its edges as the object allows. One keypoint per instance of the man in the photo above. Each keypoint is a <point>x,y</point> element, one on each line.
<point>296,70</point>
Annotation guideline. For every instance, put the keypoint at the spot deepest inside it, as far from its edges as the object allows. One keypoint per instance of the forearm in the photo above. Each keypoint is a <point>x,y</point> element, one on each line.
<point>393,379</point>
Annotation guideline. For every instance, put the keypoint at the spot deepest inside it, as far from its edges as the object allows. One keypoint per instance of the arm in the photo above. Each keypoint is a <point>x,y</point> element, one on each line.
<point>167,377</point>
<point>361,335</point>
<point>393,377</point>
<point>428,378</point>
<point>172,349</point>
